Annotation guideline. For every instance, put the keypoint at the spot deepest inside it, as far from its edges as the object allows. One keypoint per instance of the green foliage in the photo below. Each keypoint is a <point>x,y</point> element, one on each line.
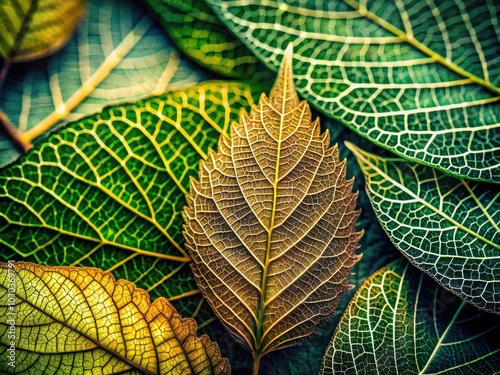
<point>108,191</point>
<point>420,79</point>
<point>447,227</point>
<point>201,36</point>
<point>118,53</point>
<point>401,322</point>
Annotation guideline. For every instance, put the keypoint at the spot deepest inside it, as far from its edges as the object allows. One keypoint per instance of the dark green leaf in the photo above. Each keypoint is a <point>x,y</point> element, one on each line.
<point>418,78</point>
<point>202,37</point>
<point>401,322</point>
<point>447,227</point>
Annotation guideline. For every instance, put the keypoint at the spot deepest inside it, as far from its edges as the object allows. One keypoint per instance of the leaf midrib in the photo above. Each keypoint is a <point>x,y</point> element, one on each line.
<point>361,156</point>
<point>363,11</point>
<point>23,29</point>
<point>97,343</point>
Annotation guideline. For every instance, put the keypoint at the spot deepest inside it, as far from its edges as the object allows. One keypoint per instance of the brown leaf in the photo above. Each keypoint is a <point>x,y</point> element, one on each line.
<point>72,320</point>
<point>270,224</point>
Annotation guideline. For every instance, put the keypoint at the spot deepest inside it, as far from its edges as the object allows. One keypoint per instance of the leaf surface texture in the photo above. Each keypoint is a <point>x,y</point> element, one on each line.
<point>270,224</point>
<point>447,227</point>
<point>72,320</point>
<point>420,78</point>
<point>33,29</point>
<point>108,191</point>
<point>402,322</point>
<point>201,36</point>
<point>118,53</point>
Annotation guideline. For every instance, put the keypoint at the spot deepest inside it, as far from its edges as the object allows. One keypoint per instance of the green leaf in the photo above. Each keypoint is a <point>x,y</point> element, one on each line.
<point>401,322</point>
<point>80,320</point>
<point>202,37</point>
<point>108,191</point>
<point>418,78</point>
<point>447,227</point>
<point>33,29</point>
<point>118,53</point>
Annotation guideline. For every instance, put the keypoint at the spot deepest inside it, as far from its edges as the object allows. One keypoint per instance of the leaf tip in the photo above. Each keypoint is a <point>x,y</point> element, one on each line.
<point>284,88</point>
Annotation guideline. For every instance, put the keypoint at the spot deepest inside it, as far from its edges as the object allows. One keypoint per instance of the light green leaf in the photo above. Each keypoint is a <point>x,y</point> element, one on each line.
<point>418,78</point>
<point>33,29</point>
<point>401,322</point>
<point>118,53</point>
<point>447,227</point>
<point>202,37</point>
<point>108,191</point>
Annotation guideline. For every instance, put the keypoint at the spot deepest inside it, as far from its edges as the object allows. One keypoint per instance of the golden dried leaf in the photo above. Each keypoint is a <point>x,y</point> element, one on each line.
<point>270,224</point>
<point>72,320</point>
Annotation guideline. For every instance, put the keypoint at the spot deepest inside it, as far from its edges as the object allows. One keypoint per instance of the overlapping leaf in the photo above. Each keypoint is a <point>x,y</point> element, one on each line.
<point>418,78</point>
<point>71,320</point>
<point>108,191</point>
<point>118,53</point>
<point>401,322</point>
<point>270,224</point>
<point>446,226</point>
<point>32,29</point>
<point>201,36</point>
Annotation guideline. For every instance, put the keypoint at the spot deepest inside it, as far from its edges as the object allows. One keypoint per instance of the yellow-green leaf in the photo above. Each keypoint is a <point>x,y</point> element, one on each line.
<point>270,224</point>
<point>32,29</point>
<point>70,320</point>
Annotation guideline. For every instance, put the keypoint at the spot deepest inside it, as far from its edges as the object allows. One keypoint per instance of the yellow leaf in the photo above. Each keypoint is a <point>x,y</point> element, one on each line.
<point>70,320</point>
<point>270,224</point>
<point>33,29</point>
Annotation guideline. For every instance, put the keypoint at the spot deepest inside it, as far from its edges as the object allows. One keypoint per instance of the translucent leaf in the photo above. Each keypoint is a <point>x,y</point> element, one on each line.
<point>108,191</point>
<point>270,224</point>
<point>447,227</point>
<point>33,29</point>
<point>401,322</point>
<point>72,320</point>
<point>420,78</point>
<point>118,53</point>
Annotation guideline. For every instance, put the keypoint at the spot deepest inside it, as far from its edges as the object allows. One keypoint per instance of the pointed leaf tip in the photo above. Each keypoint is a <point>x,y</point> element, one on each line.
<point>284,88</point>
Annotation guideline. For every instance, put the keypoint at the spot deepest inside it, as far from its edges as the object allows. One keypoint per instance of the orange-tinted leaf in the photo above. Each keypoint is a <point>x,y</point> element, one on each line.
<point>71,320</point>
<point>270,224</point>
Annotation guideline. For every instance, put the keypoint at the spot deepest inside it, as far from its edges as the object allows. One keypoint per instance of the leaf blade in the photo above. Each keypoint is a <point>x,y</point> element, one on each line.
<point>374,74</point>
<point>200,35</point>
<point>250,201</point>
<point>106,62</point>
<point>115,324</point>
<point>108,190</point>
<point>458,243</point>
<point>33,30</point>
<point>400,321</point>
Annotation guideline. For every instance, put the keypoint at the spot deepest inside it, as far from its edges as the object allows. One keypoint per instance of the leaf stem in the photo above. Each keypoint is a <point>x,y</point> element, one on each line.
<point>256,364</point>
<point>13,134</point>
